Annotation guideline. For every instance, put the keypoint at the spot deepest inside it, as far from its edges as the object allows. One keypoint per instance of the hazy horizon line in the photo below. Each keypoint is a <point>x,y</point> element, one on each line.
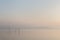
<point>29,27</point>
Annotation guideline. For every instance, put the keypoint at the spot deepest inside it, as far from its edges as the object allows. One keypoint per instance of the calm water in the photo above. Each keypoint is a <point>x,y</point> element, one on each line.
<point>31,34</point>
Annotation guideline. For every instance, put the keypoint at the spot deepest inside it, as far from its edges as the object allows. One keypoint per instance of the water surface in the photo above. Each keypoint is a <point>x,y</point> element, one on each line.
<point>30,34</point>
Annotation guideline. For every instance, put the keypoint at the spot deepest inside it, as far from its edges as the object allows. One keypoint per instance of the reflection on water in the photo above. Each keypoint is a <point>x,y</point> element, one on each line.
<point>30,34</point>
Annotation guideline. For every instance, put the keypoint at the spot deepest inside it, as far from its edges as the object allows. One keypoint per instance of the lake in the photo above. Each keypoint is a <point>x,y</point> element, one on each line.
<point>30,34</point>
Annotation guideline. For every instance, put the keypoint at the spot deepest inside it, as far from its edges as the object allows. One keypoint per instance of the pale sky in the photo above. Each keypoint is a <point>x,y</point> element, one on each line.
<point>30,12</point>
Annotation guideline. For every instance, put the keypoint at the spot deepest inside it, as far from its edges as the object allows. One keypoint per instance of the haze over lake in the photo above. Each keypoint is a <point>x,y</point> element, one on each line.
<point>29,19</point>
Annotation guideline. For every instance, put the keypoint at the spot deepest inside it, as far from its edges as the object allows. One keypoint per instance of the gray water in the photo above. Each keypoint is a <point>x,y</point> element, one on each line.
<point>30,34</point>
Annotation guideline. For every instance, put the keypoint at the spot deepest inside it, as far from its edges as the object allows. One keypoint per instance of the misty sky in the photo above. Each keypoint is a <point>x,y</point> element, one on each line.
<point>30,12</point>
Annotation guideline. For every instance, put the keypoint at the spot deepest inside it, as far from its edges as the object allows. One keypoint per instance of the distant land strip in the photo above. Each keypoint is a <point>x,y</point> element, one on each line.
<point>29,28</point>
